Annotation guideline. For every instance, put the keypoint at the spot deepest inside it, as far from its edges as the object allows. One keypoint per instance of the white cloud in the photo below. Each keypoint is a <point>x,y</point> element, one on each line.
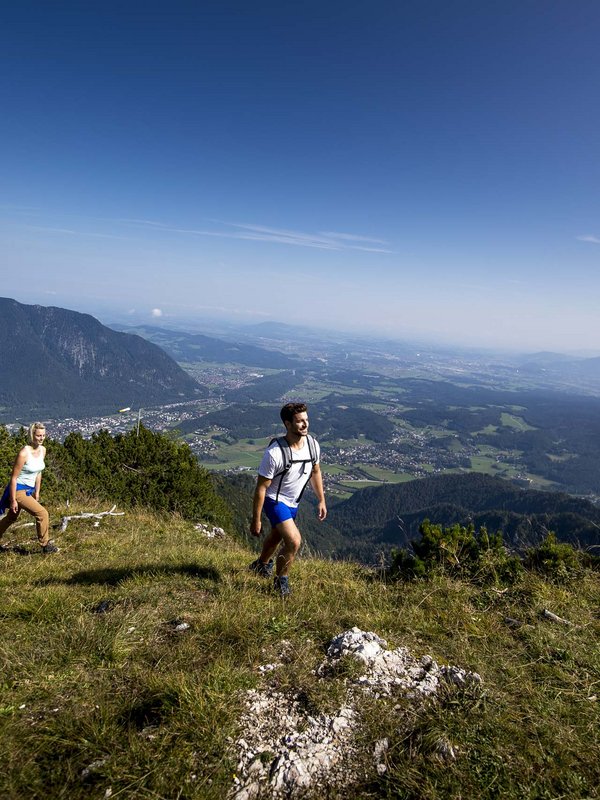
<point>593,239</point>
<point>263,233</point>
<point>157,312</point>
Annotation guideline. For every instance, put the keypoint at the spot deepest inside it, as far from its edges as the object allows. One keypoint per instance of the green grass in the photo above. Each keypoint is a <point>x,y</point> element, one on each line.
<point>154,707</point>
<point>483,464</point>
<point>487,431</point>
<point>514,421</point>
<point>240,454</point>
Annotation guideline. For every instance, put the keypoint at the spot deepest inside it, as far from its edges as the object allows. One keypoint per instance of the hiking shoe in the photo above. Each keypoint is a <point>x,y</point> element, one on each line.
<point>262,569</point>
<point>282,585</point>
<point>50,548</point>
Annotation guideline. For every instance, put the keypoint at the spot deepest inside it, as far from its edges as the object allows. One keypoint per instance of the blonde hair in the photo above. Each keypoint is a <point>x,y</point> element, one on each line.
<point>35,426</point>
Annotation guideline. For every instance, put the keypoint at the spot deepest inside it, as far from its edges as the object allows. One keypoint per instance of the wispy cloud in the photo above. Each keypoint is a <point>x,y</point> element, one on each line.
<point>326,240</point>
<point>263,233</point>
<point>353,237</point>
<point>70,232</point>
<point>593,239</point>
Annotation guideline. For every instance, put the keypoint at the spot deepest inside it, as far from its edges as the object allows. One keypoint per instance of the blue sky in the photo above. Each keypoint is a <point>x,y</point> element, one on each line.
<point>423,169</point>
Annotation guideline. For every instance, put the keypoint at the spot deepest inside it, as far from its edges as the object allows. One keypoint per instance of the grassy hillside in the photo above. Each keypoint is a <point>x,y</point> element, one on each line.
<point>101,695</point>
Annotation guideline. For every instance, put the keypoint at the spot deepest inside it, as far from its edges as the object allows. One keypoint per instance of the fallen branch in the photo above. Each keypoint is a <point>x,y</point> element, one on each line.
<point>554,618</point>
<point>90,515</point>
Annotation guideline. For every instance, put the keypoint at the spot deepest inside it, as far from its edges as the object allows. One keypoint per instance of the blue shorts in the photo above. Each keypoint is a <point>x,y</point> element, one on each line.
<point>278,512</point>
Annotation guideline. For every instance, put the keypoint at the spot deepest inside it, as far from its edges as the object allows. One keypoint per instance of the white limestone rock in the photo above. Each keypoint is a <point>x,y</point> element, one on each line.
<point>286,752</point>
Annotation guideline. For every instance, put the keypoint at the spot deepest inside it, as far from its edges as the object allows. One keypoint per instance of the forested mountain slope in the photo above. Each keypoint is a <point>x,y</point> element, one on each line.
<point>63,362</point>
<point>389,516</point>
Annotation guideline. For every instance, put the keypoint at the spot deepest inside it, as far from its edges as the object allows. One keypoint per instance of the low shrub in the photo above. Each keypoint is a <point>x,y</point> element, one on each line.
<point>555,560</point>
<point>458,551</point>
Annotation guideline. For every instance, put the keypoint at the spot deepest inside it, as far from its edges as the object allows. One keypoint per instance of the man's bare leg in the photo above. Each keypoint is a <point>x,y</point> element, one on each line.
<point>270,545</point>
<point>292,539</point>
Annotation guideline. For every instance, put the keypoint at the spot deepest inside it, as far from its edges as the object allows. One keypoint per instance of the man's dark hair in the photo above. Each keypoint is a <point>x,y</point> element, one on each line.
<point>289,410</point>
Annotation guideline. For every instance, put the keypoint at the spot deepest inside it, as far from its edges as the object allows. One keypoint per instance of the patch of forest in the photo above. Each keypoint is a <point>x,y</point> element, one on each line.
<point>381,518</point>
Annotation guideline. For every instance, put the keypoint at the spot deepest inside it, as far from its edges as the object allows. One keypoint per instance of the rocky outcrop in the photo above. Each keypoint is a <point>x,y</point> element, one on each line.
<point>285,752</point>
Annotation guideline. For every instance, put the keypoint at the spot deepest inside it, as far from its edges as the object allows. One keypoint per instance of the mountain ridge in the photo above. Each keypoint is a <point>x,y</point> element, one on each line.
<point>195,347</point>
<point>62,361</point>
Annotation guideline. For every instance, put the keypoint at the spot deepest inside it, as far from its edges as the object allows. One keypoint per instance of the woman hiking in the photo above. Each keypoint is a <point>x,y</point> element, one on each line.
<point>23,489</point>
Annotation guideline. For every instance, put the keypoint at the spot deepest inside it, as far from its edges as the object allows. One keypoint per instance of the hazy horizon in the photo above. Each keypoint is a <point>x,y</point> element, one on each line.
<point>408,171</point>
<point>218,326</point>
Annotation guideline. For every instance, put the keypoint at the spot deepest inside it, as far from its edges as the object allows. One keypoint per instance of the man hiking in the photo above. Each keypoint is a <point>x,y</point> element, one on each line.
<point>290,462</point>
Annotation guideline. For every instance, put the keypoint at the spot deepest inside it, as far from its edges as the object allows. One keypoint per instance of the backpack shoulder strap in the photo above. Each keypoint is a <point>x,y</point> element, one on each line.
<point>312,449</point>
<point>286,451</point>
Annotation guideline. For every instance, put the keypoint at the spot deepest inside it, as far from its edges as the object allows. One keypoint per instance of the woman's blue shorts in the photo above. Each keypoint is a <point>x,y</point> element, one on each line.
<point>278,512</point>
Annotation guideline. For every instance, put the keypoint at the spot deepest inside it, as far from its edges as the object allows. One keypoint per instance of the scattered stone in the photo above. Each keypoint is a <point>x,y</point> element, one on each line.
<point>396,670</point>
<point>149,732</point>
<point>445,750</point>
<point>210,531</point>
<point>460,677</point>
<point>286,751</point>
<point>379,753</point>
<point>284,651</point>
<point>89,771</point>
<point>268,667</point>
<point>177,625</point>
<point>364,646</point>
<point>102,607</point>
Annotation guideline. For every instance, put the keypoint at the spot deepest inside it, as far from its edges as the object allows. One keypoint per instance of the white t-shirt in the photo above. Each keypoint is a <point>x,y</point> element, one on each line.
<point>297,476</point>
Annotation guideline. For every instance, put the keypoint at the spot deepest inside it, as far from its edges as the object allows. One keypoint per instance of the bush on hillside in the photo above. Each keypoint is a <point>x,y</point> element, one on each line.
<point>149,470</point>
<point>8,451</point>
<point>556,560</point>
<point>459,551</point>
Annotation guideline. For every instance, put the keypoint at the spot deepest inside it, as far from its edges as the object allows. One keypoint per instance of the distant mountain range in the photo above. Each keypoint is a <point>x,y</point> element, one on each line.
<point>555,365</point>
<point>194,347</point>
<point>55,361</point>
